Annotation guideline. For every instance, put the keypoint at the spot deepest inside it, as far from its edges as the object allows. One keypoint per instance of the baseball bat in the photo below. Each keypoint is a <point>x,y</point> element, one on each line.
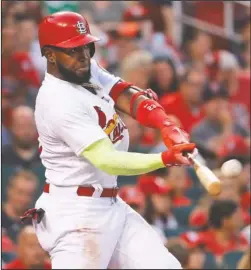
<point>207,178</point>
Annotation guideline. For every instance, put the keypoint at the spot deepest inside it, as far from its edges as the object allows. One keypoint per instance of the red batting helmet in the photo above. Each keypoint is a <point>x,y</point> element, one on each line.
<point>65,30</point>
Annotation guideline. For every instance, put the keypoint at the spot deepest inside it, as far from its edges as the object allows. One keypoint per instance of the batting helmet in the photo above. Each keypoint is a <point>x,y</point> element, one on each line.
<point>65,30</point>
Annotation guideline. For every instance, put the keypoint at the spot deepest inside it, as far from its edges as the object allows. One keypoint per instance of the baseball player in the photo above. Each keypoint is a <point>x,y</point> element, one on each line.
<point>84,147</point>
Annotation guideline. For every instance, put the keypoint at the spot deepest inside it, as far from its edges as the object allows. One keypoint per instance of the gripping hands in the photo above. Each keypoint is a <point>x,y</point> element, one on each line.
<point>174,156</point>
<point>172,135</point>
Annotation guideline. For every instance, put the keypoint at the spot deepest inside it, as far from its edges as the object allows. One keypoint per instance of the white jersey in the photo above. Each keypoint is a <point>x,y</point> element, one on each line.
<point>70,118</point>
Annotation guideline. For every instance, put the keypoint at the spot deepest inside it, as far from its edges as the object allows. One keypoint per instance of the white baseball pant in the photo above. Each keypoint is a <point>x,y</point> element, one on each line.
<point>96,233</point>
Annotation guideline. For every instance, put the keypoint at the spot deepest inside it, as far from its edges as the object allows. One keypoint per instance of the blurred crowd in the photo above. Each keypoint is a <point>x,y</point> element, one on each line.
<point>204,86</point>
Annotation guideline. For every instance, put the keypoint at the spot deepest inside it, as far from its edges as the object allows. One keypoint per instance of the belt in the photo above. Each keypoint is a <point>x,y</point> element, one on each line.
<point>88,191</point>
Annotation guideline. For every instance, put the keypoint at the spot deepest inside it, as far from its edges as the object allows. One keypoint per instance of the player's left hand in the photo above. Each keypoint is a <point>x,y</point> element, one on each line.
<point>172,135</point>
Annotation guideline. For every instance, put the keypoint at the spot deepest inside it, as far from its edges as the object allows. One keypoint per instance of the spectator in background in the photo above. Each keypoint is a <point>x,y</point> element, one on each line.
<point>8,40</point>
<point>243,26</point>
<point>223,234</point>
<point>136,68</point>
<point>28,48</point>
<point>23,70</point>
<point>246,58</point>
<point>196,45</point>
<point>26,31</point>
<point>179,250</point>
<point>124,39</point>
<point>186,103</point>
<point>218,124</point>
<point>24,150</point>
<point>132,195</point>
<point>178,181</point>
<point>245,261</point>
<point>8,98</point>
<point>35,10</point>
<point>11,8</point>
<point>158,209</point>
<point>164,78</point>
<point>20,195</point>
<point>30,255</point>
<point>135,130</point>
<point>189,258</point>
<point>242,95</point>
<point>223,69</point>
<point>232,188</point>
<point>225,221</point>
<point>26,70</point>
<point>8,250</point>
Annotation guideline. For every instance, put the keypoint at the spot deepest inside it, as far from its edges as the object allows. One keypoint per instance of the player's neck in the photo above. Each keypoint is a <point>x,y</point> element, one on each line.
<point>52,71</point>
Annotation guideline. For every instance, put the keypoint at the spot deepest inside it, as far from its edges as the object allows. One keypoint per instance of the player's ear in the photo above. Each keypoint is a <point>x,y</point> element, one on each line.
<point>49,54</point>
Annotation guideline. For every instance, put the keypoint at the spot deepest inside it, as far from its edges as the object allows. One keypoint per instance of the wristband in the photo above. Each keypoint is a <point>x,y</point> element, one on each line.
<point>118,88</point>
<point>147,93</point>
<point>151,114</point>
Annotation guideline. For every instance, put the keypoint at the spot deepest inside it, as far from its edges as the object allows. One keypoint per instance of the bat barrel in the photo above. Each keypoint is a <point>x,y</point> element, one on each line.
<point>207,178</point>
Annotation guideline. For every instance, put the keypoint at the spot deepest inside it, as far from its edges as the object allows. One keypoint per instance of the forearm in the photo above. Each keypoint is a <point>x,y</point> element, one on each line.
<point>142,105</point>
<point>105,157</point>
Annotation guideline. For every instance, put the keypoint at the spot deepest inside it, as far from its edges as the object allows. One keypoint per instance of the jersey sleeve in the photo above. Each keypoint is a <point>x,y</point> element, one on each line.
<point>105,78</point>
<point>77,128</point>
<point>111,84</point>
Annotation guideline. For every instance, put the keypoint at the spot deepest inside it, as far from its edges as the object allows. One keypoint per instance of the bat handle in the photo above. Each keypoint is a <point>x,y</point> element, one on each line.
<point>194,161</point>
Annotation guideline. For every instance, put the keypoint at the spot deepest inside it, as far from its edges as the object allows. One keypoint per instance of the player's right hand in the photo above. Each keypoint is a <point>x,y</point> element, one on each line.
<point>175,155</point>
<point>173,135</point>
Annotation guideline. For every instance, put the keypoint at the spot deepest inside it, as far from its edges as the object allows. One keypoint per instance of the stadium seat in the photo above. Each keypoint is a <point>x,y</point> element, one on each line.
<point>7,171</point>
<point>231,259</point>
<point>127,180</point>
<point>182,214</point>
<point>194,193</point>
<point>192,175</point>
<point>8,257</point>
<point>175,232</point>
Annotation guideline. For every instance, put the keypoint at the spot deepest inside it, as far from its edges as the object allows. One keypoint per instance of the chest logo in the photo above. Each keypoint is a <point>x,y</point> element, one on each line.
<point>113,128</point>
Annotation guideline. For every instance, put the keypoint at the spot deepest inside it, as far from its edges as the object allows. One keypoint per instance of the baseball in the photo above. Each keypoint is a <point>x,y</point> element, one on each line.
<point>231,168</point>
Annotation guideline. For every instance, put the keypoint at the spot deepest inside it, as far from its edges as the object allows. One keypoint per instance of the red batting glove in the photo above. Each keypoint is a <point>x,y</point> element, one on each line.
<point>172,135</point>
<point>174,156</point>
<point>151,114</point>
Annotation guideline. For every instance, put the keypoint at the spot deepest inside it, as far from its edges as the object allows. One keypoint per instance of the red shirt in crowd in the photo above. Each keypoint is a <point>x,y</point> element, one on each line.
<point>17,264</point>
<point>212,244</point>
<point>180,201</point>
<point>20,67</point>
<point>174,104</point>
<point>242,95</point>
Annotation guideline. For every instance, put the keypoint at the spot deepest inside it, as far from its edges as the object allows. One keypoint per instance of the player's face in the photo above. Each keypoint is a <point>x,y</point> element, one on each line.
<point>74,64</point>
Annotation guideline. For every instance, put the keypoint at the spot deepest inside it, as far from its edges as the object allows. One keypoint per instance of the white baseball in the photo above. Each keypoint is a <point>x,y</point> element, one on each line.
<point>231,168</point>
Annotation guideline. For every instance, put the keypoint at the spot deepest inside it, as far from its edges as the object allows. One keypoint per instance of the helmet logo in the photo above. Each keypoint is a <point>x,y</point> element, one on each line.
<point>81,27</point>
